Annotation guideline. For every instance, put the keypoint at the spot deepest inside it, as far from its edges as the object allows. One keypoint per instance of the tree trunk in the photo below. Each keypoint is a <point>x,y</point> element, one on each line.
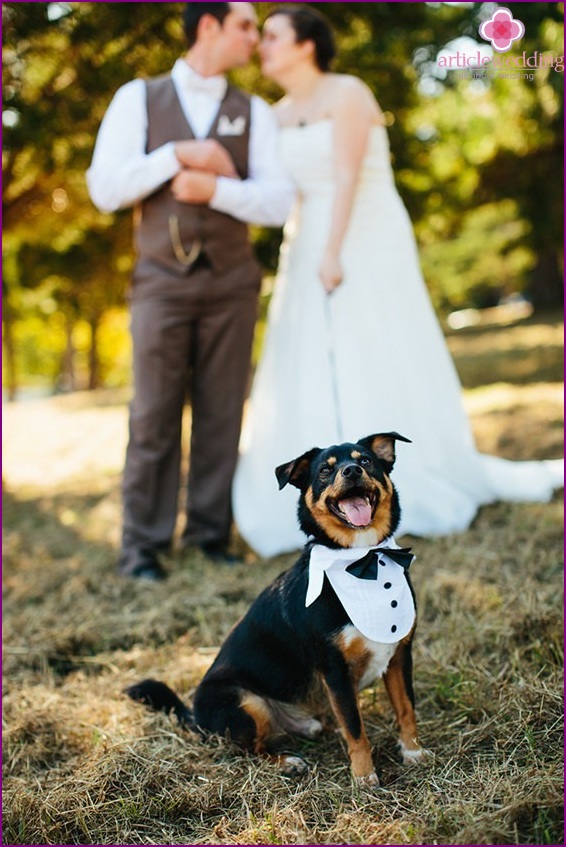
<point>10,354</point>
<point>66,381</point>
<point>93,358</point>
<point>545,287</point>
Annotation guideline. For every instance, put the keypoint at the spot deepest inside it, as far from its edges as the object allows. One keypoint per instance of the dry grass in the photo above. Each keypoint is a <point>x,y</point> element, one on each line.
<point>83,765</point>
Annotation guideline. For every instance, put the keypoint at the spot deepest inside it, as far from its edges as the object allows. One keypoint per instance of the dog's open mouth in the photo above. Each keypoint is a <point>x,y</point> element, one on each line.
<point>356,510</point>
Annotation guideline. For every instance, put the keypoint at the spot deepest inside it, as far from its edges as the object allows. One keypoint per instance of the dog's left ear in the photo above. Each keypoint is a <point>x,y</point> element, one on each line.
<point>296,472</point>
<point>383,445</point>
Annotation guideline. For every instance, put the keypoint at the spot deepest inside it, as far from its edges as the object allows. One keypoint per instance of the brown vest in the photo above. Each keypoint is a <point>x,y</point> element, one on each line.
<point>172,233</point>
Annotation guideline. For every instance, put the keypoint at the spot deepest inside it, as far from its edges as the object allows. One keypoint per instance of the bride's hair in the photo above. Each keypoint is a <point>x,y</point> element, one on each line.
<point>311,25</point>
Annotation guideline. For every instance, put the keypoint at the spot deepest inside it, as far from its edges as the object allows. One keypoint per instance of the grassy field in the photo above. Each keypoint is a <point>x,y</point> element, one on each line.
<point>83,765</point>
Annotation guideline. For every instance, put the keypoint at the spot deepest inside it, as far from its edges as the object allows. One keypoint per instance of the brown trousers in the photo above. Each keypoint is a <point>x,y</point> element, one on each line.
<point>191,335</point>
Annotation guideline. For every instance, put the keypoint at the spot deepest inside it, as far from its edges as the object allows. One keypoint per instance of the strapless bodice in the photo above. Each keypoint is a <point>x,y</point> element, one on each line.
<point>308,156</point>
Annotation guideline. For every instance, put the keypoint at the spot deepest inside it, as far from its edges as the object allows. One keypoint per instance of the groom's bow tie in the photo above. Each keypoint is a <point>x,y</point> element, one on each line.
<point>367,566</point>
<point>213,86</point>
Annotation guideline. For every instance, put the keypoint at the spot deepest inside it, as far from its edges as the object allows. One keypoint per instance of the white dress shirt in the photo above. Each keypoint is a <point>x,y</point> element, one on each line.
<point>122,173</point>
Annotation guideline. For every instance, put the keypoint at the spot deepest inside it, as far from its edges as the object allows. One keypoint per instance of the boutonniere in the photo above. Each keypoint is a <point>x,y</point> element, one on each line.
<point>228,127</point>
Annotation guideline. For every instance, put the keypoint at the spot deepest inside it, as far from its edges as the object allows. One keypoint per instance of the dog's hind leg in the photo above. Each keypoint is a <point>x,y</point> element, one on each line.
<point>256,708</point>
<point>297,719</point>
<point>267,726</point>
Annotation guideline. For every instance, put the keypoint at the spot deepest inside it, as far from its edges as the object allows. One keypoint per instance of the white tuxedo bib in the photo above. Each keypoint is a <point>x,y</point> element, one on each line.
<point>378,599</point>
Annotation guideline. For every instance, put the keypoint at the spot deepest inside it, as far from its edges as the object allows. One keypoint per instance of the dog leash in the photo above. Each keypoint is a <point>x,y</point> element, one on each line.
<point>333,368</point>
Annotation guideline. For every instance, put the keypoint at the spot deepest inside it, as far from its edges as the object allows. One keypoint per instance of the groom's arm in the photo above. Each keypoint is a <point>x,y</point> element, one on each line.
<point>122,173</point>
<point>265,197</point>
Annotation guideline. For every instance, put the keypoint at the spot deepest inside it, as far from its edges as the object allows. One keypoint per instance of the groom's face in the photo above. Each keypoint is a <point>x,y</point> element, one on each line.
<point>238,35</point>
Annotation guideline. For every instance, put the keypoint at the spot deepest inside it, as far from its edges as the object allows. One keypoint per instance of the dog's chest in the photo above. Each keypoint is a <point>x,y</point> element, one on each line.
<point>370,657</point>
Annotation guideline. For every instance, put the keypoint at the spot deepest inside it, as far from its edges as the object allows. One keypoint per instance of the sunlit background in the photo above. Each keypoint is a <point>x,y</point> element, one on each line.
<point>478,163</point>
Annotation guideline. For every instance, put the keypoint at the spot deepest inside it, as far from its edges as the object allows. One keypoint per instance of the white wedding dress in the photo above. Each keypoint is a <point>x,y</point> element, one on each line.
<point>369,358</point>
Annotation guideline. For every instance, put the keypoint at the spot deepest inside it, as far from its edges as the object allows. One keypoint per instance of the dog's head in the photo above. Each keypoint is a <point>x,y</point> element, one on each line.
<point>347,498</point>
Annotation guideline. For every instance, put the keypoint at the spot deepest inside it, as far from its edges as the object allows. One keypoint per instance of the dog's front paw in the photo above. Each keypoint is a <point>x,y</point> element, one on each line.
<point>369,781</point>
<point>416,756</point>
<point>292,765</point>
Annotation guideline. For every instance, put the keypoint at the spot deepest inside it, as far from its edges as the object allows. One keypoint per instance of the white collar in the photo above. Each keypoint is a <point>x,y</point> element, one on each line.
<point>382,609</point>
<point>322,558</point>
<point>185,76</point>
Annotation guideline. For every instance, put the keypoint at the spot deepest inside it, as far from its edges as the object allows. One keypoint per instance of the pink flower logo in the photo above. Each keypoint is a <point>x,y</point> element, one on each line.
<point>502,30</point>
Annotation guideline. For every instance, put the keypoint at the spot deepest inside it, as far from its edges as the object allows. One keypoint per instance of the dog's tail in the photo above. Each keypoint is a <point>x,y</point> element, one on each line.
<point>161,698</point>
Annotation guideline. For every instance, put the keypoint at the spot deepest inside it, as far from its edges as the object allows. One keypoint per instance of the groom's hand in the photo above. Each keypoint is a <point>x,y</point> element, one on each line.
<point>205,155</point>
<point>193,187</point>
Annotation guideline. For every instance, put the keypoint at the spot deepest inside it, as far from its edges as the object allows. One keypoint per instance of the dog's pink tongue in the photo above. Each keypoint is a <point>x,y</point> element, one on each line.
<point>357,510</point>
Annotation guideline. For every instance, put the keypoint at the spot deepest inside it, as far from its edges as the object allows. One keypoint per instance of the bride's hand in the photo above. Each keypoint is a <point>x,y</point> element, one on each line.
<point>330,273</point>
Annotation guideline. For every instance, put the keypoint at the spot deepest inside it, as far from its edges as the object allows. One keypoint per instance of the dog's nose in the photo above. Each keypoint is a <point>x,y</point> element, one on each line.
<point>352,471</point>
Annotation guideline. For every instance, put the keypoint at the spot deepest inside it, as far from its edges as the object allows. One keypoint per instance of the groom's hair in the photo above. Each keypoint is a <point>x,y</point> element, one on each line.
<point>193,12</point>
<point>311,25</point>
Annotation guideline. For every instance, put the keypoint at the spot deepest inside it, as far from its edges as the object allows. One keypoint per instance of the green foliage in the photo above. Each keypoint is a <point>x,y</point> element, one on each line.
<point>490,142</point>
<point>478,163</point>
<point>482,263</point>
<point>44,337</point>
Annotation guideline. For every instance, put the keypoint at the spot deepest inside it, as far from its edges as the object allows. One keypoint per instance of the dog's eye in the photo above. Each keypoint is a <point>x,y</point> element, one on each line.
<point>324,473</point>
<point>365,461</point>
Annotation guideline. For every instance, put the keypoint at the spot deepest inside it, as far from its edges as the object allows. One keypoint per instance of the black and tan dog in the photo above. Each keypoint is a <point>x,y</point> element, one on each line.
<point>298,632</point>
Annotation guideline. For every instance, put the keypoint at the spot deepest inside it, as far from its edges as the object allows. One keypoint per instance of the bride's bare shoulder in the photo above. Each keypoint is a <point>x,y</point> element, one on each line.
<point>351,90</point>
<point>347,85</point>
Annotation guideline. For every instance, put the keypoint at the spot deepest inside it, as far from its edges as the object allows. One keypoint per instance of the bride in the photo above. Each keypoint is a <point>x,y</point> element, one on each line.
<point>353,345</point>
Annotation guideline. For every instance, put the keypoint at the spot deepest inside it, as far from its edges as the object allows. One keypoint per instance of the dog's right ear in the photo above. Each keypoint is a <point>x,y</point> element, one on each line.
<point>296,472</point>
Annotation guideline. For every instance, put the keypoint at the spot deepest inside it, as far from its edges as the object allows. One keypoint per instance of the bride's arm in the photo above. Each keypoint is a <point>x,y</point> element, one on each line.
<point>353,112</point>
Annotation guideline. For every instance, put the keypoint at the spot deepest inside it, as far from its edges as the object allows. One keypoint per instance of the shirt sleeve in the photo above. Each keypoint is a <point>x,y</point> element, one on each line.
<point>121,172</point>
<point>266,196</point>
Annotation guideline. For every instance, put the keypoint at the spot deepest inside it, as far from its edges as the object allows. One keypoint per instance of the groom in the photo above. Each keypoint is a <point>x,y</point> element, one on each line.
<point>198,158</point>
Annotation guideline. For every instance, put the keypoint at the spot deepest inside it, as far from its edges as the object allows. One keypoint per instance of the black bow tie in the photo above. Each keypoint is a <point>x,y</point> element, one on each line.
<point>366,567</point>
